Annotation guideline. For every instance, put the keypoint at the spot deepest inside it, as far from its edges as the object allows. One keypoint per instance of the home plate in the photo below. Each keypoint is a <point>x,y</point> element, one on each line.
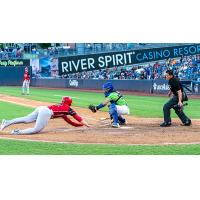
<point>125,127</point>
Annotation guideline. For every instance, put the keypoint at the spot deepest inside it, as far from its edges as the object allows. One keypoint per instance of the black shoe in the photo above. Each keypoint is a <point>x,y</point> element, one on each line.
<point>165,124</point>
<point>188,123</point>
<point>123,123</point>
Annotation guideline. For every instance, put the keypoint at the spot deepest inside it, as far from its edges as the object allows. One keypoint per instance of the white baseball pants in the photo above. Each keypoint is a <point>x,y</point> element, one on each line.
<point>41,115</point>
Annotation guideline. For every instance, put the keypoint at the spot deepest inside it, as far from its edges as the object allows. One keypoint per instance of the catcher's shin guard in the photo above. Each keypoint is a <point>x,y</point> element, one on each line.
<point>113,112</point>
<point>121,120</point>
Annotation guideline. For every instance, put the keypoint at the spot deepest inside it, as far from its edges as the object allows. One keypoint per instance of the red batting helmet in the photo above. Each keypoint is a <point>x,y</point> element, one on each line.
<point>67,100</point>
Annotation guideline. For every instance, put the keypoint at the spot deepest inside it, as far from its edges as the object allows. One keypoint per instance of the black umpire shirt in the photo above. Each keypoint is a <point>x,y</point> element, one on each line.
<point>175,85</point>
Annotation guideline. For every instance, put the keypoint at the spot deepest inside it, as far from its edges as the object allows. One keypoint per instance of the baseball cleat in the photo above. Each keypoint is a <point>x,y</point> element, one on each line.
<point>188,123</point>
<point>165,124</point>
<point>123,123</point>
<point>15,132</point>
<point>115,125</point>
<point>3,124</point>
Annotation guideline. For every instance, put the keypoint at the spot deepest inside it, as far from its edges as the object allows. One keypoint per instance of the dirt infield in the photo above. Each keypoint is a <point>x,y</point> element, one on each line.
<point>137,131</point>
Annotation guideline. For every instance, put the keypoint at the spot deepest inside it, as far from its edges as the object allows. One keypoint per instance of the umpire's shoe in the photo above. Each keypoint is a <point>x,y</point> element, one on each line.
<point>165,124</point>
<point>188,123</point>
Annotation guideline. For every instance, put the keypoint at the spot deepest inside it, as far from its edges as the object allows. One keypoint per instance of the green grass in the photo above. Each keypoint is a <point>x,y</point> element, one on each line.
<point>9,110</point>
<point>13,147</point>
<point>140,106</point>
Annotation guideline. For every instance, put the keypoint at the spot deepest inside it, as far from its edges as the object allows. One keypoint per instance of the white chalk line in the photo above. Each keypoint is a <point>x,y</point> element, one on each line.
<point>18,103</point>
<point>92,128</point>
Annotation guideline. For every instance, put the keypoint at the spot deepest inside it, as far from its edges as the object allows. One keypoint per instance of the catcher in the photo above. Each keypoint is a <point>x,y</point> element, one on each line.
<point>43,114</point>
<point>117,105</point>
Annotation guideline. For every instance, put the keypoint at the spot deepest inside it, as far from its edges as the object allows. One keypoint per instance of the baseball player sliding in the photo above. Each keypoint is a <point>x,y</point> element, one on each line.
<point>26,82</point>
<point>43,114</point>
<point>117,105</point>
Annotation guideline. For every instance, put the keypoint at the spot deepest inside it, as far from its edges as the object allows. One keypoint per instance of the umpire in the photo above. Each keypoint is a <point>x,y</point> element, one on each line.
<point>176,102</point>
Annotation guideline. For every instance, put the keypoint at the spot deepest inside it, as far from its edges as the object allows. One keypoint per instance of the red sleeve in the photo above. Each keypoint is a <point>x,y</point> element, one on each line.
<point>77,117</point>
<point>71,122</point>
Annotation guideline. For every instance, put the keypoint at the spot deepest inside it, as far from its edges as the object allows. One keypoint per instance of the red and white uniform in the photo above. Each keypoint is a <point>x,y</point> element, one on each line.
<point>26,76</point>
<point>26,82</point>
<point>63,110</point>
<point>41,116</point>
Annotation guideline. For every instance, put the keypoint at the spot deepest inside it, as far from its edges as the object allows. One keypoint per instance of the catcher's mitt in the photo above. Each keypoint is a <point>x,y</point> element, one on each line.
<point>92,108</point>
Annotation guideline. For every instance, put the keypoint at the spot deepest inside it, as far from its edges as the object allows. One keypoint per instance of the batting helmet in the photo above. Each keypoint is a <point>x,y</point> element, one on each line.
<point>67,100</point>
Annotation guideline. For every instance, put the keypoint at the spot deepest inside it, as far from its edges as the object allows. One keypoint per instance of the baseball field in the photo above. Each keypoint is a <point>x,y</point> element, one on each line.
<point>141,136</point>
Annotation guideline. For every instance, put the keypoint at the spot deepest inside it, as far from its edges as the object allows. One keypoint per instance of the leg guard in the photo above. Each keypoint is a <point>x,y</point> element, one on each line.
<point>121,120</point>
<point>113,112</point>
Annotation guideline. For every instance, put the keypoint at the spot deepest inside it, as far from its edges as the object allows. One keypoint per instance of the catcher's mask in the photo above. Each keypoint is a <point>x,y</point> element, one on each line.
<point>67,100</point>
<point>108,88</point>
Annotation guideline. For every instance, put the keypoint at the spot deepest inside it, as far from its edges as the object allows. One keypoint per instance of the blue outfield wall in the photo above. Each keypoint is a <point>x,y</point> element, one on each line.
<point>129,85</point>
<point>12,75</point>
<point>8,78</point>
<point>158,86</point>
<point>52,83</point>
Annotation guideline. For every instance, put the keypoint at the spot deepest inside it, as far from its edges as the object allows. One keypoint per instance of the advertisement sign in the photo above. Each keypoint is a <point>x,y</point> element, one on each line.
<point>160,86</point>
<point>49,67</point>
<point>74,64</point>
<point>13,63</point>
<point>73,83</point>
<point>35,64</point>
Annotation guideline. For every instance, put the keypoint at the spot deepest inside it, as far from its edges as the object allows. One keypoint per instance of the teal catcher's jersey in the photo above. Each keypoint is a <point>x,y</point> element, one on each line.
<point>114,96</point>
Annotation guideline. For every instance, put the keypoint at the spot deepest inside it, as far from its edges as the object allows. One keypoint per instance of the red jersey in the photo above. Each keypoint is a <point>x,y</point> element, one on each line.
<point>26,76</point>
<point>62,110</point>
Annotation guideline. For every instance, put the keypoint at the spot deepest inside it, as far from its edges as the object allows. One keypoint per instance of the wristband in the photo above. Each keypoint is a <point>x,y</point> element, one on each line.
<point>100,106</point>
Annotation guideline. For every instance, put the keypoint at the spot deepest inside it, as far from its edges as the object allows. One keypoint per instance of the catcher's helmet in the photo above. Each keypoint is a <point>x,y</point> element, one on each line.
<point>67,100</point>
<point>108,87</point>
